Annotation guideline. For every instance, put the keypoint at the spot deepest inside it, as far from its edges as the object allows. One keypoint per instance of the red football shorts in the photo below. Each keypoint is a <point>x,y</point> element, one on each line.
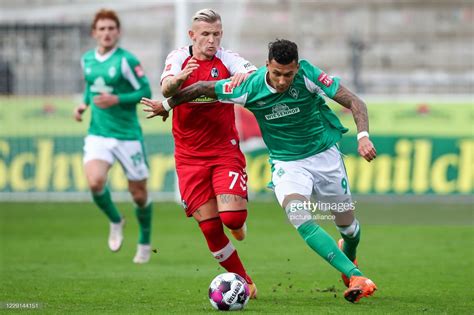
<point>199,183</point>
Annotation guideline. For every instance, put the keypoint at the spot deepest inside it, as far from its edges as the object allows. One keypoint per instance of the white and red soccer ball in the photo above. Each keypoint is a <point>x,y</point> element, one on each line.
<point>229,292</point>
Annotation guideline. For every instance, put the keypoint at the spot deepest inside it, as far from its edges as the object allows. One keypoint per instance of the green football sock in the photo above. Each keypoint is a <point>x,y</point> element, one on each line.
<point>144,221</point>
<point>105,203</point>
<point>323,244</point>
<point>350,245</point>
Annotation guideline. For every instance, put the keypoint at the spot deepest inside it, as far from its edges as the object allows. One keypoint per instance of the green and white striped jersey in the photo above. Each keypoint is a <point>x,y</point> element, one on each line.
<point>117,72</point>
<point>297,123</point>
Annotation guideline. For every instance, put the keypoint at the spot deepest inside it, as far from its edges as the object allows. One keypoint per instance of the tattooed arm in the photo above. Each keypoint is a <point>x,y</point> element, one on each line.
<point>156,108</point>
<point>359,111</point>
<point>193,91</point>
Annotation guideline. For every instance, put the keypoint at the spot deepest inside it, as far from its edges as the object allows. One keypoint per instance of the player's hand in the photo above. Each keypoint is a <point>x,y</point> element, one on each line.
<point>186,72</point>
<point>78,111</point>
<point>366,149</point>
<point>154,107</point>
<point>238,78</point>
<point>105,100</point>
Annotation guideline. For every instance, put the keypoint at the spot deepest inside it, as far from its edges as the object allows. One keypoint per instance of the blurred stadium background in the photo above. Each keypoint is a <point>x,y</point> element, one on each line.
<point>411,60</point>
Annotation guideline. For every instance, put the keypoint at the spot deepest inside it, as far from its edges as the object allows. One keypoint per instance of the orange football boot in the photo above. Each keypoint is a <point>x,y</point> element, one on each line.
<point>359,287</point>
<point>253,291</point>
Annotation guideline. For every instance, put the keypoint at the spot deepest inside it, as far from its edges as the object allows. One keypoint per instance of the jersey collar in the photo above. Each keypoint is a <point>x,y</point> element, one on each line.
<point>268,85</point>
<point>102,58</point>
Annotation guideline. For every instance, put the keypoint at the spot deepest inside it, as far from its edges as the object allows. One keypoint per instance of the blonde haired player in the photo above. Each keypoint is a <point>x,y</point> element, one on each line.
<point>209,163</point>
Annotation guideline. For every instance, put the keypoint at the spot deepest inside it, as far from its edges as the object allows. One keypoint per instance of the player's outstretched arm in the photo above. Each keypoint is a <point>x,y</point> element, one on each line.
<point>206,88</point>
<point>161,108</point>
<point>359,111</point>
<point>172,84</point>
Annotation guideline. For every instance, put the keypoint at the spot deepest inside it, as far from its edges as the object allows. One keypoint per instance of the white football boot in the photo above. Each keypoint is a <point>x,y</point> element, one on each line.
<point>143,254</point>
<point>116,235</point>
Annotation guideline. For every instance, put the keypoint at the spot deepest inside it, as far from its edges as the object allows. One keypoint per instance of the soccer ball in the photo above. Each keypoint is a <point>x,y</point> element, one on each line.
<point>229,292</point>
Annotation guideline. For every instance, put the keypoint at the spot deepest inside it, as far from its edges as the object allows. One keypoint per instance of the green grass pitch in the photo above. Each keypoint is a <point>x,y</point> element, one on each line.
<point>56,254</point>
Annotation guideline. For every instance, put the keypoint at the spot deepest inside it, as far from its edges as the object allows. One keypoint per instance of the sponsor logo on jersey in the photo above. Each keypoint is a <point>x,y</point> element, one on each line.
<point>99,86</point>
<point>214,72</point>
<point>227,88</point>
<point>281,110</point>
<point>247,65</point>
<point>168,67</point>
<point>203,99</point>
<point>112,72</point>
<point>139,71</point>
<point>325,79</point>
<point>293,92</point>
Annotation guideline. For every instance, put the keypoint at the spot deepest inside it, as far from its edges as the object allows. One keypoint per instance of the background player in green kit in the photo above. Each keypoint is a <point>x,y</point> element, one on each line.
<point>115,83</point>
<point>301,133</point>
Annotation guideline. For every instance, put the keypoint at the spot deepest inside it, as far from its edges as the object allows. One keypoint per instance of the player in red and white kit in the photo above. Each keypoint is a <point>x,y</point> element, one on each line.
<point>209,163</point>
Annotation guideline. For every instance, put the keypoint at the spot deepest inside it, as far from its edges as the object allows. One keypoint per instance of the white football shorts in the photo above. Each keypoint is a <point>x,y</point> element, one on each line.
<point>129,153</point>
<point>322,175</point>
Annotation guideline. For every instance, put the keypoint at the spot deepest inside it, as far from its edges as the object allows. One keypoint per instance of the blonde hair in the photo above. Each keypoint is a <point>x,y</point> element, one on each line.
<point>206,15</point>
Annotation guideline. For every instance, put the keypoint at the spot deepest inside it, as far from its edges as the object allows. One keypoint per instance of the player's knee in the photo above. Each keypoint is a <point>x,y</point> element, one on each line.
<point>96,185</point>
<point>291,198</point>
<point>140,197</point>
<point>139,193</point>
<point>298,212</point>
<point>233,219</point>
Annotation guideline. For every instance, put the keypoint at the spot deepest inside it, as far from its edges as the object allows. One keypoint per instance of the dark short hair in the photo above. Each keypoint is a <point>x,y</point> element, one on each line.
<point>283,51</point>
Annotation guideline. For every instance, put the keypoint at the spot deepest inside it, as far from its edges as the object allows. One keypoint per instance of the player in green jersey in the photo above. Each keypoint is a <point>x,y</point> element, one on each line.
<point>114,84</point>
<point>301,133</point>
